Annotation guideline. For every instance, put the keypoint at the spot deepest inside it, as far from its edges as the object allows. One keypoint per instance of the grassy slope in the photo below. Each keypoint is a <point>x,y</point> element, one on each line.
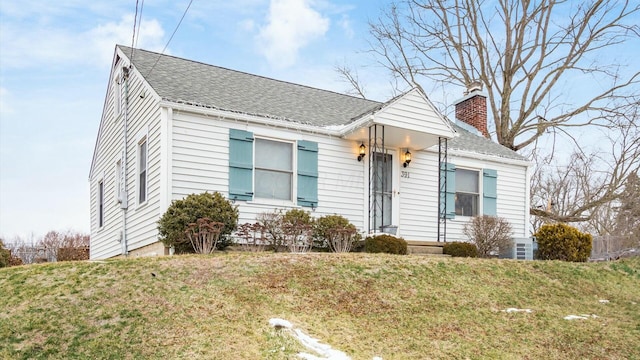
<point>396,307</point>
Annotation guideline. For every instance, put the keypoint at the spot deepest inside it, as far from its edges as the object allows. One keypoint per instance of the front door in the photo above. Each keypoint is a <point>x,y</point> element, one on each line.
<point>382,192</point>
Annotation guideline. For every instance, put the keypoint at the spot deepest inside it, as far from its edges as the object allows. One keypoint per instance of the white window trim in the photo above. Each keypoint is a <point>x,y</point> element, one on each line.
<point>294,174</point>
<point>141,137</point>
<point>480,192</point>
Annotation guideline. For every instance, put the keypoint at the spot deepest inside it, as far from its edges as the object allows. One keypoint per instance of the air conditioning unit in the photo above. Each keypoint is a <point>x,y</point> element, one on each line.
<point>522,249</point>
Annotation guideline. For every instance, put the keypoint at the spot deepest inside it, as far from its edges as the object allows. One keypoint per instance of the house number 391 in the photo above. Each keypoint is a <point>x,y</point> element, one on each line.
<point>405,174</point>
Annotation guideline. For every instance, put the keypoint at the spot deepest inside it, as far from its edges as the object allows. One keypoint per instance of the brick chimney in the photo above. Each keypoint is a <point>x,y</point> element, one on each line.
<point>472,108</point>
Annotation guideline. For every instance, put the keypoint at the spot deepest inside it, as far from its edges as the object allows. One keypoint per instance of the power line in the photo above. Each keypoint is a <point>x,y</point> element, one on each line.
<point>133,36</point>
<point>139,24</point>
<point>174,32</point>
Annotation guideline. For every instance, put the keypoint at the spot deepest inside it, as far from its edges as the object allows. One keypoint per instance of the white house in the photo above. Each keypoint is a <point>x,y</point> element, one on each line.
<point>172,127</point>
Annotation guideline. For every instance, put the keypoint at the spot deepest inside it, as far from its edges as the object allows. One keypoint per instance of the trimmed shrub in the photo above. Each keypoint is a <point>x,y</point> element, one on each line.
<point>335,233</point>
<point>175,221</point>
<point>563,242</point>
<point>460,249</point>
<point>385,244</point>
<point>490,234</point>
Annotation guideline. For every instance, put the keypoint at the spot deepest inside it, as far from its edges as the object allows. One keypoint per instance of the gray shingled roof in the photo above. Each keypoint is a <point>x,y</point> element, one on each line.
<point>467,141</point>
<point>191,82</point>
<point>186,81</point>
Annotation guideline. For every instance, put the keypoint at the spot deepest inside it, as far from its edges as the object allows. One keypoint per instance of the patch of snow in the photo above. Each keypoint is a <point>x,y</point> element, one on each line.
<point>511,310</point>
<point>325,351</point>
<point>280,323</point>
<point>579,317</point>
<point>603,301</point>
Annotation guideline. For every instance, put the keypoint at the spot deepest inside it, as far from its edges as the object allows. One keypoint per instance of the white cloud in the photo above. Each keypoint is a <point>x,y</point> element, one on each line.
<point>104,37</point>
<point>24,47</point>
<point>291,25</point>
<point>345,24</point>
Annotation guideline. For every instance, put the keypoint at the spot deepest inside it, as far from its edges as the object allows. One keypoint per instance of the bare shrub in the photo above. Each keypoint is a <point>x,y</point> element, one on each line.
<point>271,224</point>
<point>290,230</point>
<point>491,234</point>
<point>253,236</point>
<point>341,239</point>
<point>73,253</point>
<point>204,235</point>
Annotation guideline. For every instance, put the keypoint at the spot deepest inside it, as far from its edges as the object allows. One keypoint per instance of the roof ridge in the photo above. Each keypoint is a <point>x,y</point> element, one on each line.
<point>248,74</point>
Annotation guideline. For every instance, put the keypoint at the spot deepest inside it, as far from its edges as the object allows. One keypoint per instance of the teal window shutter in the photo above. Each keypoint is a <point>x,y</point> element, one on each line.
<point>449,171</point>
<point>240,165</point>
<point>307,173</point>
<point>489,192</point>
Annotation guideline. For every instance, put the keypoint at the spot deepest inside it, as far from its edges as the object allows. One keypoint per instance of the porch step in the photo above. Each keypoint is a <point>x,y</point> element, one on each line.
<point>424,247</point>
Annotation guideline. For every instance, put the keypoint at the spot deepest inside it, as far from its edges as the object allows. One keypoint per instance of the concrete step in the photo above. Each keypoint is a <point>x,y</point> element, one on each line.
<point>424,249</point>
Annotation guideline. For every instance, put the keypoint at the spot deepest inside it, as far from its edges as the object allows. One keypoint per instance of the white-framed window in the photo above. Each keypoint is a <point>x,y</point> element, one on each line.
<point>274,169</point>
<point>467,192</point>
<point>101,203</point>
<point>142,157</point>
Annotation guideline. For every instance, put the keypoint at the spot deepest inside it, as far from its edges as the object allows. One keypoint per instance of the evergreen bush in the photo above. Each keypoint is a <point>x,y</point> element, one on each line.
<point>563,242</point>
<point>175,221</point>
<point>385,244</point>
<point>460,249</point>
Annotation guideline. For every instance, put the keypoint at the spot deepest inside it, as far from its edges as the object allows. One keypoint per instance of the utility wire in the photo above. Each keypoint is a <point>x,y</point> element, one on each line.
<point>139,23</point>
<point>174,32</point>
<point>133,36</point>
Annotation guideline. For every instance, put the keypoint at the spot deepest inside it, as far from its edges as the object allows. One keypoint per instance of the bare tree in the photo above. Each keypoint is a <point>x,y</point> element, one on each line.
<point>525,53</point>
<point>349,75</point>
<point>628,215</point>
<point>587,186</point>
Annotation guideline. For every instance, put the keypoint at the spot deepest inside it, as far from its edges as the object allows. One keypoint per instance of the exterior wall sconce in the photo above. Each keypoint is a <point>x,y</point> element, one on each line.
<point>362,152</point>
<point>407,158</point>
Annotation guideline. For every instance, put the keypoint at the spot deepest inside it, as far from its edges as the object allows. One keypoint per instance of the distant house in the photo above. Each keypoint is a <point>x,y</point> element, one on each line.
<point>172,127</point>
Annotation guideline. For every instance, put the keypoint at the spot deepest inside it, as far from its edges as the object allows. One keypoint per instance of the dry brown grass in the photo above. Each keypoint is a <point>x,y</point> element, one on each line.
<point>396,307</point>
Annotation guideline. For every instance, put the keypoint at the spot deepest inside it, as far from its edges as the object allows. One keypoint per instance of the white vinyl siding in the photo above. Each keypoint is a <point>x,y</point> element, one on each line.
<point>200,162</point>
<point>144,113</point>
<point>411,112</point>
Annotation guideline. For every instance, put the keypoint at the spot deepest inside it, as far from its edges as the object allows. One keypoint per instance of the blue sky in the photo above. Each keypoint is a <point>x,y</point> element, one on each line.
<point>54,67</point>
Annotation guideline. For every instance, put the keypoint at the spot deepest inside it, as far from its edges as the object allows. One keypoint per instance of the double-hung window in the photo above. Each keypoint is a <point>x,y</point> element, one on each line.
<point>142,170</point>
<point>467,192</point>
<point>270,169</point>
<point>273,169</point>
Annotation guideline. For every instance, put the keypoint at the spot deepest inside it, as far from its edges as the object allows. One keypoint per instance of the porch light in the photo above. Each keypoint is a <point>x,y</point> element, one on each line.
<point>362,151</point>
<point>407,158</point>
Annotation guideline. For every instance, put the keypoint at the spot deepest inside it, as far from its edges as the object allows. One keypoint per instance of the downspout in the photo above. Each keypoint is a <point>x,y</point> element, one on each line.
<point>124,194</point>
